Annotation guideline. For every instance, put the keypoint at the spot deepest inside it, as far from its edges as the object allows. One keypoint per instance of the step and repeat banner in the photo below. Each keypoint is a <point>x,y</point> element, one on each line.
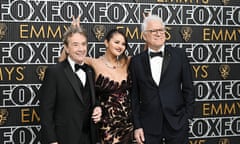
<point>208,30</point>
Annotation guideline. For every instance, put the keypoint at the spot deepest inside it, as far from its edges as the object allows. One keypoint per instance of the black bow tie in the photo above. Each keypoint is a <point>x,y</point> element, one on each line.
<point>153,54</point>
<point>77,67</point>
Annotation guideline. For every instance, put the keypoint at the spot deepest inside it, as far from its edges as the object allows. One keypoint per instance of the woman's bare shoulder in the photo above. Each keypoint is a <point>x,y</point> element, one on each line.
<point>89,60</point>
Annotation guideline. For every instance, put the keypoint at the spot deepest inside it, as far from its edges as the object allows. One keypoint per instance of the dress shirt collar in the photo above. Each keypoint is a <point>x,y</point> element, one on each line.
<point>161,49</point>
<point>72,63</point>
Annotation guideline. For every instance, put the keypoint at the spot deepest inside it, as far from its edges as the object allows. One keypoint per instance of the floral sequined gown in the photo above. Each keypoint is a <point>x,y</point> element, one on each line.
<point>116,126</point>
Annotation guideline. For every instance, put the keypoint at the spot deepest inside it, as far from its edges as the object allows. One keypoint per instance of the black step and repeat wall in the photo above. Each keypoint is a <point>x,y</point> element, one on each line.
<point>208,30</point>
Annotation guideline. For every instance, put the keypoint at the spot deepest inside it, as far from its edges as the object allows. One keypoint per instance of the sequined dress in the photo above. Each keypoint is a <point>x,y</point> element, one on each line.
<point>116,126</point>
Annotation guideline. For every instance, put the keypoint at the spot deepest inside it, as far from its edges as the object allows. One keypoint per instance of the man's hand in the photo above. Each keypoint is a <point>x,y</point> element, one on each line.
<point>139,135</point>
<point>97,113</point>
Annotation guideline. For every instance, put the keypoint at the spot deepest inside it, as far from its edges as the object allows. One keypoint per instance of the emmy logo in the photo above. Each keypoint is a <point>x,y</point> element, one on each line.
<point>99,31</point>
<point>224,71</point>
<point>3,116</point>
<point>225,2</point>
<point>186,33</point>
<point>224,141</point>
<point>41,72</point>
<point>3,29</point>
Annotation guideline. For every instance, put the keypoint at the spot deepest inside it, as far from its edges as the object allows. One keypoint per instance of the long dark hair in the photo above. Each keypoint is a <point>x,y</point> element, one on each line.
<point>110,35</point>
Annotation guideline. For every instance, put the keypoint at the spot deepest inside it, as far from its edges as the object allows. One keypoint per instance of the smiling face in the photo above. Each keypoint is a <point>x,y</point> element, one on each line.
<point>116,45</point>
<point>76,47</point>
<point>154,34</point>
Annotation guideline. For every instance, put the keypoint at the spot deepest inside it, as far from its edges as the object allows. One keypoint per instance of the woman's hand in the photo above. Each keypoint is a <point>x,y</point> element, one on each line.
<point>139,135</point>
<point>75,21</point>
<point>97,113</point>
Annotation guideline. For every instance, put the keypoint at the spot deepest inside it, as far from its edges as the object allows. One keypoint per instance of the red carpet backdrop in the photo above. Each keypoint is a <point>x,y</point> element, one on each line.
<point>208,30</point>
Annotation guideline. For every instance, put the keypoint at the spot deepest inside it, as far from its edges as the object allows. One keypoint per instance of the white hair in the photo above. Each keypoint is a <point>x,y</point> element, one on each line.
<point>151,18</point>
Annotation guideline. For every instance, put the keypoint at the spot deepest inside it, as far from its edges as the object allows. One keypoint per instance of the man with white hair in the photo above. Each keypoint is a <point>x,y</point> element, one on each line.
<point>162,93</point>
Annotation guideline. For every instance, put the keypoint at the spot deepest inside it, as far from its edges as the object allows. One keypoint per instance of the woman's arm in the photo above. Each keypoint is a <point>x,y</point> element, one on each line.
<point>89,61</point>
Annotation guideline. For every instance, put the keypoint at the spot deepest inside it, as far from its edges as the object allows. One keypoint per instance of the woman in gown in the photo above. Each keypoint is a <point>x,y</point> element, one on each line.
<point>112,88</point>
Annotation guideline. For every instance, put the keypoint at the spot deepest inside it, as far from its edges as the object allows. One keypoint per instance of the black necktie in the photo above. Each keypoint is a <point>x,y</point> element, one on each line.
<point>77,67</point>
<point>152,54</point>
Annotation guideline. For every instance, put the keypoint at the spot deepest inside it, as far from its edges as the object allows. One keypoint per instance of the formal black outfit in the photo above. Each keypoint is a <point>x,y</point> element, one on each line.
<point>66,106</point>
<point>162,109</point>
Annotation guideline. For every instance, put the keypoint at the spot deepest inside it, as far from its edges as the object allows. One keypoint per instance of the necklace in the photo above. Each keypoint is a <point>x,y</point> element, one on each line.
<point>107,63</point>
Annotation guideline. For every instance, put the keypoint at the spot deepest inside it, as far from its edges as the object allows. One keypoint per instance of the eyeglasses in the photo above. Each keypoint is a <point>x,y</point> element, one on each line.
<point>156,31</point>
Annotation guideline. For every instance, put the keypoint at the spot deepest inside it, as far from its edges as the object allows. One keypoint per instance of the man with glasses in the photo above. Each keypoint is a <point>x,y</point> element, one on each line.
<point>161,96</point>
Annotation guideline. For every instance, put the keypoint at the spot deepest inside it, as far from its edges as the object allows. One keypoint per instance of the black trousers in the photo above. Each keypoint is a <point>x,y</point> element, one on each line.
<point>169,135</point>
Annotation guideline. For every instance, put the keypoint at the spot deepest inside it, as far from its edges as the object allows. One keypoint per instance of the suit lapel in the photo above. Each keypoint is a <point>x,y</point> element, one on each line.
<point>166,60</point>
<point>147,67</point>
<point>73,80</point>
<point>90,79</point>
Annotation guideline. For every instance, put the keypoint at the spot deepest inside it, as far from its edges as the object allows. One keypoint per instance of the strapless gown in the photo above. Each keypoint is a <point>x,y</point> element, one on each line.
<point>116,124</point>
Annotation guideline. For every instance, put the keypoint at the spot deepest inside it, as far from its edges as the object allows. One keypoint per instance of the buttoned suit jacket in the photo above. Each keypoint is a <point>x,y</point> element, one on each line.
<point>172,99</point>
<point>63,113</point>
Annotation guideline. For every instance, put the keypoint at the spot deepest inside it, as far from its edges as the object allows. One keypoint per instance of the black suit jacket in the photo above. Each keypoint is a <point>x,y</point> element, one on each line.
<point>63,112</point>
<point>172,98</point>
